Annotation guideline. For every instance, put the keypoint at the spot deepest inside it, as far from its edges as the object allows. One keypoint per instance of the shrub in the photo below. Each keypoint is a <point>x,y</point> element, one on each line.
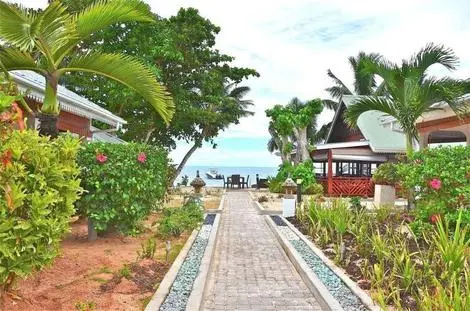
<point>386,174</point>
<point>263,199</point>
<point>440,178</point>
<point>177,220</point>
<point>124,184</point>
<point>304,171</point>
<point>38,187</point>
<point>313,189</point>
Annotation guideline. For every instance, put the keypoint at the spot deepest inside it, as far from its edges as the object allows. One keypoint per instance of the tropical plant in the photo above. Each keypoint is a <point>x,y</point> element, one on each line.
<point>39,185</point>
<point>124,183</point>
<point>408,91</point>
<point>293,121</point>
<point>386,174</point>
<point>181,49</point>
<point>46,42</point>
<point>440,179</point>
<point>364,81</point>
<point>148,249</point>
<point>175,221</point>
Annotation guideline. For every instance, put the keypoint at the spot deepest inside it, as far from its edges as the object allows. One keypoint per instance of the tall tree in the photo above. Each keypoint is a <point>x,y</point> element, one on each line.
<point>294,119</point>
<point>409,91</point>
<point>364,81</point>
<point>46,42</point>
<point>181,51</point>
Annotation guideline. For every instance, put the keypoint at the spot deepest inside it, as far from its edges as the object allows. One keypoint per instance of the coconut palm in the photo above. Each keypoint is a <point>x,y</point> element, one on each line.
<point>364,82</point>
<point>46,42</point>
<point>409,92</point>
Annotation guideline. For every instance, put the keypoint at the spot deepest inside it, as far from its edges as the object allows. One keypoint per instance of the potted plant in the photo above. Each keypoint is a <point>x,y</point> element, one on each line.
<point>385,179</point>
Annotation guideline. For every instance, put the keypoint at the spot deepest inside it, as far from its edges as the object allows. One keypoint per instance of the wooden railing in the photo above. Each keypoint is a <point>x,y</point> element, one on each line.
<point>349,186</point>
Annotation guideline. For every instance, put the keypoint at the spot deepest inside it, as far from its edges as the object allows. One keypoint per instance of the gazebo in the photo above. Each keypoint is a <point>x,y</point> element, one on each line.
<point>344,163</point>
<point>444,126</point>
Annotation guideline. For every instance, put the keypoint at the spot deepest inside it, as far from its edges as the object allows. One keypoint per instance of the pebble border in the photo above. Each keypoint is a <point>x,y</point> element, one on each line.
<point>181,289</point>
<point>335,285</point>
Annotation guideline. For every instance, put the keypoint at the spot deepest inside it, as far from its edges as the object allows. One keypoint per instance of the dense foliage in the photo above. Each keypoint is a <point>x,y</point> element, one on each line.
<point>291,124</point>
<point>124,183</point>
<point>440,178</point>
<point>408,91</point>
<point>386,174</point>
<point>304,171</point>
<point>181,51</point>
<point>50,47</point>
<point>39,185</point>
<point>175,221</point>
<point>423,271</point>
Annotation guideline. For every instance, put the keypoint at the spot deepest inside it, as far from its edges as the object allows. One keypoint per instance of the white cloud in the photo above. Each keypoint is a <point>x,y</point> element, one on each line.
<point>293,43</point>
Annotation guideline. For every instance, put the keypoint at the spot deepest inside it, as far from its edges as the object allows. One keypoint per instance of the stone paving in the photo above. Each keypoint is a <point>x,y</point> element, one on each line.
<point>251,271</point>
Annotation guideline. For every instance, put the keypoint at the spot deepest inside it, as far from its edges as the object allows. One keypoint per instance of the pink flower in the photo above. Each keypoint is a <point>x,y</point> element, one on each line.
<point>142,157</point>
<point>435,184</point>
<point>101,157</point>
<point>434,218</point>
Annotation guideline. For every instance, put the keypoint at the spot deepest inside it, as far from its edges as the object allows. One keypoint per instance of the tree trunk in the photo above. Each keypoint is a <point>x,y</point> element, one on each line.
<point>285,156</point>
<point>48,125</point>
<point>49,110</point>
<point>302,145</point>
<point>409,151</point>
<point>149,134</point>
<point>185,159</point>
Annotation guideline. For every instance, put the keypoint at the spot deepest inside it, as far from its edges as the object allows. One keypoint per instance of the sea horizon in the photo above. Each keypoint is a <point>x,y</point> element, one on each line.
<point>244,171</point>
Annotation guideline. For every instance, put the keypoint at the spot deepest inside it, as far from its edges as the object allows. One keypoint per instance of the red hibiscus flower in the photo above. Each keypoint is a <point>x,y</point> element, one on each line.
<point>142,157</point>
<point>6,158</point>
<point>101,157</point>
<point>434,218</point>
<point>435,184</point>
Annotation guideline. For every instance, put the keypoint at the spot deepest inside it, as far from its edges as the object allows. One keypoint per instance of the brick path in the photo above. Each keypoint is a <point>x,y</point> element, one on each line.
<point>251,271</point>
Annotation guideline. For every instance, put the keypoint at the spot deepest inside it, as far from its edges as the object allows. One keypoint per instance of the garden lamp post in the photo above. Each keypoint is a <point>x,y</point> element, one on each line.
<point>289,186</point>
<point>288,202</point>
<point>299,190</point>
<point>197,184</point>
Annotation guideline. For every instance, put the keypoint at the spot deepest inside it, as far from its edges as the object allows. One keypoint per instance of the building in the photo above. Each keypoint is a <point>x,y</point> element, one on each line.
<point>443,126</point>
<point>348,157</point>
<point>77,112</point>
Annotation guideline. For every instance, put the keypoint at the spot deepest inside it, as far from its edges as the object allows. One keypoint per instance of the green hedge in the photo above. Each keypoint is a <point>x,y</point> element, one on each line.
<point>124,183</point>
<point>38,187</point>
<point>304,171</point>
<point>441,180</point>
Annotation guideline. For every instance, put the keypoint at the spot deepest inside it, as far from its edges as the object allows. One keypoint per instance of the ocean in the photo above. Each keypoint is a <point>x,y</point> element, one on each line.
<point>263,172</point>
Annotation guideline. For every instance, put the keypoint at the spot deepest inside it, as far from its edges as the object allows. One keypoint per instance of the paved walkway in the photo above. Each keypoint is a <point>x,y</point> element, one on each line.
<point>251,271</point>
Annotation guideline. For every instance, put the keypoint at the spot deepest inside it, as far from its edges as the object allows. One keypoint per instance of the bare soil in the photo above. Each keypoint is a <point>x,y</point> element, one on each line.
<point>100,275</point>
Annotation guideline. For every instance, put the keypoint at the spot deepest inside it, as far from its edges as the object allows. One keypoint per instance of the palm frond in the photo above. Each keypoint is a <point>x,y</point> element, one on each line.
<point>239,91</point>
<point>368,103</point>
<point>339,89</point>
<point>272,146</point>
<point>330,104</point>
<point>14,59</point>
<point>16,26</point>
<point>337,92</point>
<point>105,13</point>
<point>433,54</point>
<point>364,80</point>
<point>128,71</point>
<point>445,90</point>
<point>321,134</point>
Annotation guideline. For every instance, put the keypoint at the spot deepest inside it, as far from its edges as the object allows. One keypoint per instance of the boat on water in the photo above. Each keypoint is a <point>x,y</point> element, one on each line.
<point>214,174</point>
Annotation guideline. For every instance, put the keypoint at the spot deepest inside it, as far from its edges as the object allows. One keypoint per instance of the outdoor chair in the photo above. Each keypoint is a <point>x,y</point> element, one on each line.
<point>235,180</point>
<point>246,182</point>
<point>227,182</point>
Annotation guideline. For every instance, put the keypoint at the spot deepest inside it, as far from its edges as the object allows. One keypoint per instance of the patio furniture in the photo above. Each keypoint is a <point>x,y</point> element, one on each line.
<point>235,180</point>
<point>245,182</point>
<point>227,182</point>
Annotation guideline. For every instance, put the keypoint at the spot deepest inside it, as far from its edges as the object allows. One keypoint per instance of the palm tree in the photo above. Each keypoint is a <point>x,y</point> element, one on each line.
<point>409,92</point>
<point>364,82</point>
<point>46,42</point>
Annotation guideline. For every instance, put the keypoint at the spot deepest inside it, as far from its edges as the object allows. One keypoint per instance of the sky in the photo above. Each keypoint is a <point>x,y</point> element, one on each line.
<point>293,43</point>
